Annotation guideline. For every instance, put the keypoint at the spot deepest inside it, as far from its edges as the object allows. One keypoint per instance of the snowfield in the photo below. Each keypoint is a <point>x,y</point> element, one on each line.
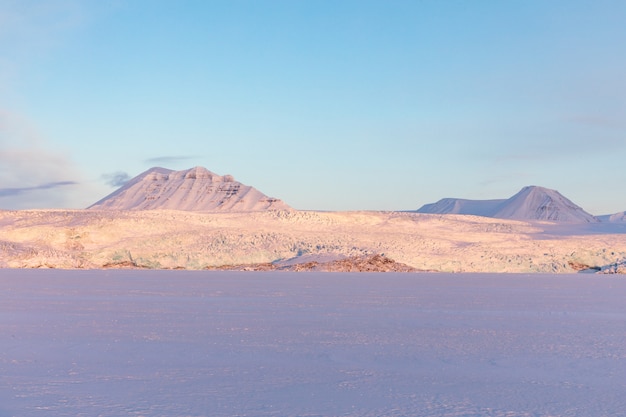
<point>195,219</point>
<point>209,343</point>
<point>168,239</point>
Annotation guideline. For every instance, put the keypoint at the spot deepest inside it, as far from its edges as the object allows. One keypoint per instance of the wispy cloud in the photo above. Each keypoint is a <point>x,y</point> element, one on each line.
<point>508,178</point>
<point>575,144</point>
<point>596,120</point>
<point>116,179</point>
<point>30,173</point>
<point>167,159</point>
<point>5,192</point>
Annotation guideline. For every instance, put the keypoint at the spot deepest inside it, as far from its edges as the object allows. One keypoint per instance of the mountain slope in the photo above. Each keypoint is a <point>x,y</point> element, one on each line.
<point>195,189</point>
<point>538,203</point>
<point>614,218</point>
<point>485,208</point>
<point>530,203</point>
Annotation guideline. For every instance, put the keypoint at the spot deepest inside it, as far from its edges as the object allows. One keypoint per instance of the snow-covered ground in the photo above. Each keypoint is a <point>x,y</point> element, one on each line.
<point>199,343</point>
<point>168,239</point>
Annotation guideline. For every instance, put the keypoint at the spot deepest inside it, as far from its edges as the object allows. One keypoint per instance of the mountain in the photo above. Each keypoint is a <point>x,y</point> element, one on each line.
<point>485,208</point>
<point>613,218</point>
<point>538,203</point>
<point>530,203</point>
<point>195,189</point>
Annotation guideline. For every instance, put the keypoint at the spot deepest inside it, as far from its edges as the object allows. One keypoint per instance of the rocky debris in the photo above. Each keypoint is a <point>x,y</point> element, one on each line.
<point>122,265</point>
<point>581,267</point>
<point>618,267</point>
<point>243,267</point>
<point>365,263</point>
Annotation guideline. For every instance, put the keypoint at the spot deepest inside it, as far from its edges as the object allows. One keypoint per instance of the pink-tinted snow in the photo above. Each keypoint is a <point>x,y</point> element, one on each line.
<point>174,343</point>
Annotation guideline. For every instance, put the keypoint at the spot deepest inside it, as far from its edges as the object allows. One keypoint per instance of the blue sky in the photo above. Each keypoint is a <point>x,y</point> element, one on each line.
<point>328,105</point>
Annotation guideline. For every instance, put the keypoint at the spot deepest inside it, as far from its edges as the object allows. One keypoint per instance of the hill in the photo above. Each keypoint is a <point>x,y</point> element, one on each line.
<point>614,218</point>
<point>530,203</point>
<point>195,189</point>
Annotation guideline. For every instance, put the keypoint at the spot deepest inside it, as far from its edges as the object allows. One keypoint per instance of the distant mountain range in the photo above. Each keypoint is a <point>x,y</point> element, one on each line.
<point>198,189</point>
<point>531,203</point>
<point>195,189</point>
<point>215,222</point>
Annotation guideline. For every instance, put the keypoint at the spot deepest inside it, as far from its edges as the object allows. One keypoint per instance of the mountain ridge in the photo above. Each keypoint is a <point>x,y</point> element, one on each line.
<point>530,203</point>
<point>194,189</point>
<point>198,189</point>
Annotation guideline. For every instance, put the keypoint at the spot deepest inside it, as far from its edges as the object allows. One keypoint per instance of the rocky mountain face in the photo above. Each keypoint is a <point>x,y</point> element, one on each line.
<point>195,189</point>
<point>531,203</point>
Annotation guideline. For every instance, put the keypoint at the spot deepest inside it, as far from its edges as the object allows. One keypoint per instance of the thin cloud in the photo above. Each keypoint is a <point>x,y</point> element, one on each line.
<point>598,121</point>
<point>505,179</point>
<point>30,173</point>
<point>167,159</point>
<point>6,192</point>
<point>116,179</point>
<point>545,148</point>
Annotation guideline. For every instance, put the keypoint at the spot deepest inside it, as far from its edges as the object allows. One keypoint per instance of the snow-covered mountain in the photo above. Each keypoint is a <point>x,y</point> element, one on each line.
<point>538,203</point>
<point>531,203</point>
<point>613,218</point>
<point>485,208</point>
<point>195,189</point>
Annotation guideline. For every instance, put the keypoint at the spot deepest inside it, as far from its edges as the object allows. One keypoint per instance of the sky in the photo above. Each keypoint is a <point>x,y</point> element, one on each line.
<point>327,105</point>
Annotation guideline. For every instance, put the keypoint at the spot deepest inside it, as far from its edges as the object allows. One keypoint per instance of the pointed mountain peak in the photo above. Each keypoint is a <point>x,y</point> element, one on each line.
<point>535,189</point>
<point>530,203</point>
<point>195,173</point>
<point>539,203</point>
<point>154,171</point>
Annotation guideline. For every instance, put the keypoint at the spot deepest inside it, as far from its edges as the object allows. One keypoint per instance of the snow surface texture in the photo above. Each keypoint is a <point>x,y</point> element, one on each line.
<point>176,343</point>
<point>191,240</point>
<point>531,203</point>
<point>195,189</point>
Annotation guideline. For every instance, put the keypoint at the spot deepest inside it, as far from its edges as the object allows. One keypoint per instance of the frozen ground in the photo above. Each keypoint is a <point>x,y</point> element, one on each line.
<point>162,239</point>
<point>192,343</point>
